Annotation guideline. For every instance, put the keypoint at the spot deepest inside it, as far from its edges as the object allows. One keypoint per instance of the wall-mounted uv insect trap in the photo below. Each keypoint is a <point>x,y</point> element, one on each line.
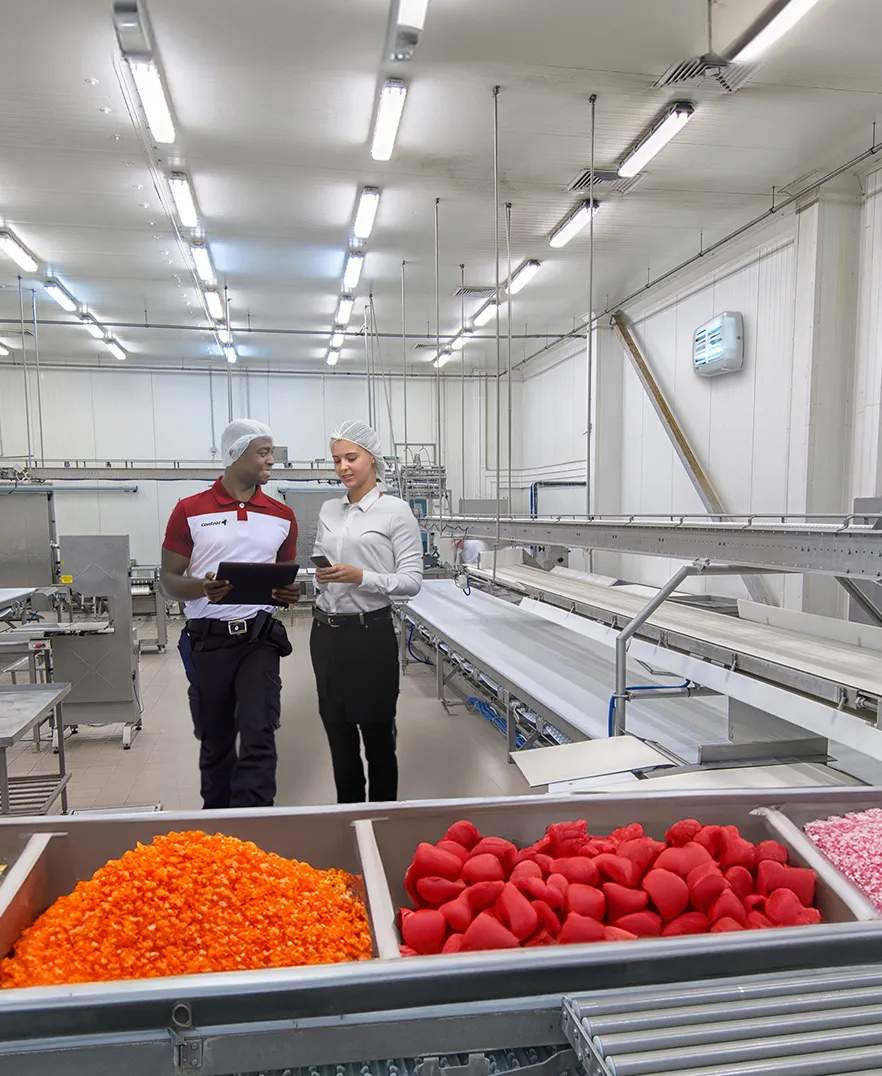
<point>718,346</point>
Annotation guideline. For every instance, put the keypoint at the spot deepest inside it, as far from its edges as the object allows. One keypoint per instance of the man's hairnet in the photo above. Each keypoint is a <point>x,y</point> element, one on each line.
<point>359,433</point>
<point>238,436</point>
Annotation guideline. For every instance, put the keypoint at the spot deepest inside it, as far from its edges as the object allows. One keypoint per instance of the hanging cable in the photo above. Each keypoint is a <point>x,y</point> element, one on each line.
<point>610,715</point>
<point>416,657</point>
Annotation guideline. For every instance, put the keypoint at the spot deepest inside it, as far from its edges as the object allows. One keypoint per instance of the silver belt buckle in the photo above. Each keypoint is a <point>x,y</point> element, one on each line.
<point>332,617</point>
<point>237,627</point>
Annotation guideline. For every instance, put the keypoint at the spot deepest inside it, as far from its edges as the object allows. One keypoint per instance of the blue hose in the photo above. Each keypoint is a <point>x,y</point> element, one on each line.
<point>415,657</point>
<point>638,687</point>
<point>487,711</point>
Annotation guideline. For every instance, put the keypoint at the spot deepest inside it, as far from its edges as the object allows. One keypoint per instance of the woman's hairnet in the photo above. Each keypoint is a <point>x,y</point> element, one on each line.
<point>238,436</point>
<point>359,433</point>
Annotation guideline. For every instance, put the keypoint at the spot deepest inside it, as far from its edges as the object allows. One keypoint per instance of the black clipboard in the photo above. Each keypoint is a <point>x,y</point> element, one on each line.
<point>253,584</point>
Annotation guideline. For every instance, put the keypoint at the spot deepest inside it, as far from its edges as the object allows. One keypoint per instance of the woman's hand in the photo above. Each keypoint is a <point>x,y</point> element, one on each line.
<point>340,573</point>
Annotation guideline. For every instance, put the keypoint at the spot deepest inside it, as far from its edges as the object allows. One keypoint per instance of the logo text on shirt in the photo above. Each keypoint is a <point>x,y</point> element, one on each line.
<point>214,523</point>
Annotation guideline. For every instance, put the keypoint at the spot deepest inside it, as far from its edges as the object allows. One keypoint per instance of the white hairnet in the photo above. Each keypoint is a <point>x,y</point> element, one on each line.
<point>359,433</point>
<point>238,436</point>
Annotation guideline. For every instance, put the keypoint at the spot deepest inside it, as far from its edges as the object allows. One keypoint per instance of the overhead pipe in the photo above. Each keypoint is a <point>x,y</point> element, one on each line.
<point>37,369</point>
<point>498,326</point>
<point>551,484</point>
<point>24,363</point>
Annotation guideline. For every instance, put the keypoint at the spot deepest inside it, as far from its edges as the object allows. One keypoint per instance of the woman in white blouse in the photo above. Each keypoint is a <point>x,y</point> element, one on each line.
<point>373,543</point>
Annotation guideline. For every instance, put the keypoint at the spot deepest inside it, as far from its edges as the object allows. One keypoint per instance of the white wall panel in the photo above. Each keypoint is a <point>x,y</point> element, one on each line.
<point>866,440</point>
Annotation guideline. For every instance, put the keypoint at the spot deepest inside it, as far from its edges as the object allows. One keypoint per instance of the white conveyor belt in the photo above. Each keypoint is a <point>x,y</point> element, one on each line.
<point>566,674</point>
<point>838,662</point>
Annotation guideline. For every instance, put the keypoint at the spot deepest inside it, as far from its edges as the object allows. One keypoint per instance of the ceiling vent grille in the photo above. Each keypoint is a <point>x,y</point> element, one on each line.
<point>709,72</point>
<point>474,293</point>
<point>604,182</point>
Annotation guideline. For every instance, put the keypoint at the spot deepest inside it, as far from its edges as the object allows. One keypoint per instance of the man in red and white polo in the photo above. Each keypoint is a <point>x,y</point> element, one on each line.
<point>234,649</point>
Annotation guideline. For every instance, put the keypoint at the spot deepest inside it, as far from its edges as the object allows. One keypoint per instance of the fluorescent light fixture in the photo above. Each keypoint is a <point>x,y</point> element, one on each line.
<point>344,311</point>
<point>573,224</point>
<point>19,253</point>
<point>485,315</point>
<point>202,261</point>
<point>185,204</point>
<point>333,357</point>
<point>442,360</point>
<point>523,276</point>
<point>337,340</point>
<point>115,350</point>
<point>3,351</point>
<point>224,335</point>
<point>352,273</point>
<point>64,299</point>
<point>678,115</point>
<point>230,353</point>
<point>389,109</point>
<point>92,327</point>
<point>153,101</point>
<point>412,13</point>
<point>214,303</point>
<point>458,342</point>
<point>366,214</point>
<point>774,30</point>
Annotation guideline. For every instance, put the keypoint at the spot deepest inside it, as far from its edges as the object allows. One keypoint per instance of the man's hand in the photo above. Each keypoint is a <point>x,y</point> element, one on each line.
<point>289,594</point>
<point>215,589</point>
<point>340,573</point>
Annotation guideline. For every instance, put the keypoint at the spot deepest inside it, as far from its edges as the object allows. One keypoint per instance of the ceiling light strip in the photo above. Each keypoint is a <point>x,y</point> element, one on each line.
<point>773,31</point>
<point>344,311</point>
<point>388,118</point>
<point>202,260</point>
<point>366,213</point>
<point>148,83</point>
<point>114,348</point>
<point>655,140</point>
<point>15,249</point>
<point>215,303</point>
<point>573,224</point>
<point>185,203</point>
<point>412,13</point>
<point>522,277</point>
<point>61,295</point>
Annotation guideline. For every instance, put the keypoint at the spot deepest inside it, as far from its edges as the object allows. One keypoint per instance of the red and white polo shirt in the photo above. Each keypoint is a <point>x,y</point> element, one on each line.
<point>211,527</point>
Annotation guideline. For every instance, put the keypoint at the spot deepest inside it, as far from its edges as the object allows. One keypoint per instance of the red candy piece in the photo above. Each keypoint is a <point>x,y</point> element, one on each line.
<point>688,923</point>
<point>540,938</point>
<point>619,869</point>
<point>738,853</point>
<point>697,873</point>
<point>454,849</point>
<point>558,882</point>
<point>548,921</point>
<point>539,890</point>
<point>682,832</point>
<point>728,906</point>
<point>683,860</point>
<point>783,908</point>
<point>713,839</point>
<point>586,900</point>
<point>599,846</point>
<point>669,892</point>
<point>706,891</point>
<point>483,895</point>
<point>741,881</point>
<point>579,929</point>
<point>757,921</point>
<point>504,851</point>
<point>808,917</point>
<point>406,950</point>
<point>725,926</point>
<point>644,851</point>
<point>431,862</point>
<point>544,863</point>
<point>484,868</point>
<point>424,930</point>
<point>771,850</point>
<point>581,871</point>
<point>538,848</point>
<point>459,913</point>
<point>645,924</point>
<point>771,875</point>
<point>410,881</point>
<point>754,902</point>
<point>621,901</point>
<point>463,833</point>
<point>516,912</point>
<point>488,933</point>
<point>617,934</point>
<point>438,891</point>
<point>632,832</point>
<point>523,871</point>
<point>567,838</point>
<point>454,944</point>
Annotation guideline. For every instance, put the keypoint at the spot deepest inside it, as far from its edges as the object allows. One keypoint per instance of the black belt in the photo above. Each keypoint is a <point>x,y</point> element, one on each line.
<point>205,626</point>
<point>351,620</point>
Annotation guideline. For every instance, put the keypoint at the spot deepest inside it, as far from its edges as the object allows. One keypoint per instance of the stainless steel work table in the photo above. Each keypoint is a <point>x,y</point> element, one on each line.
<point>22,708</point>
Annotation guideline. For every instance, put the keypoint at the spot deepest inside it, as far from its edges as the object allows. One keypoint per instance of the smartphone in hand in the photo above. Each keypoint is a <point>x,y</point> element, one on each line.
<point>321,562</point>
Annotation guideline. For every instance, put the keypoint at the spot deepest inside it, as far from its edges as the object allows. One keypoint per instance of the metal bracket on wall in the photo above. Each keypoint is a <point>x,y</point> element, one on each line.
<point>755,587</point>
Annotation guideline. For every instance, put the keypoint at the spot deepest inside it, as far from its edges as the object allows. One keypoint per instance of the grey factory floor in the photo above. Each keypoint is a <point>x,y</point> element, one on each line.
<point>441,755</point>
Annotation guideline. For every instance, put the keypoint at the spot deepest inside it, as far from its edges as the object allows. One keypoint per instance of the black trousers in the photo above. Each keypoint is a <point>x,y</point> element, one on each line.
<point>357,678</point>
<point>238,696</point>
